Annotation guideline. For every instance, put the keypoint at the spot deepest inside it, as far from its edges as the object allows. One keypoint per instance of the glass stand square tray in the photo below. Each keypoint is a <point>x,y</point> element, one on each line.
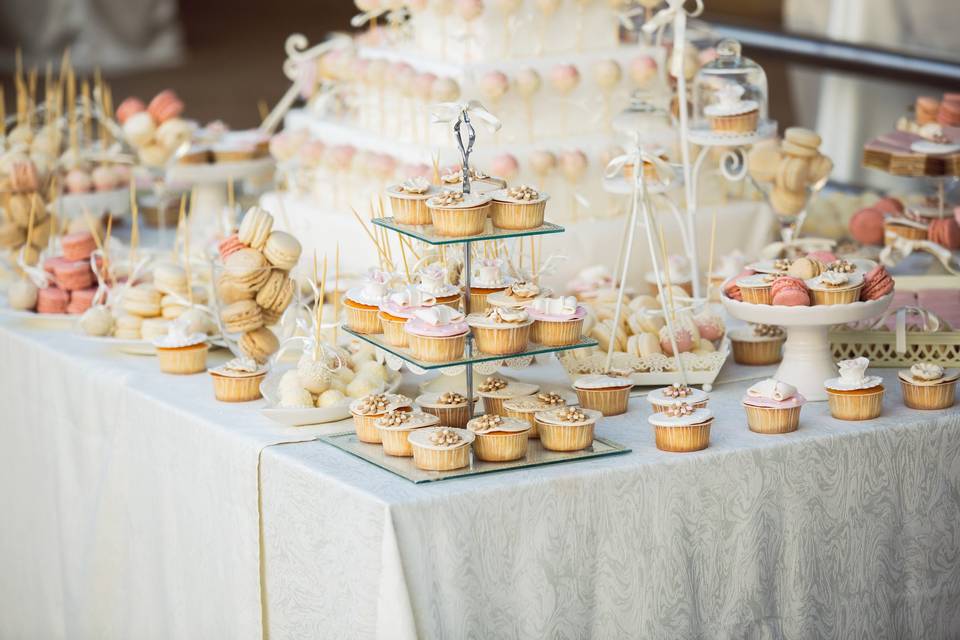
<point>404,467</point>
<point>426,233</point>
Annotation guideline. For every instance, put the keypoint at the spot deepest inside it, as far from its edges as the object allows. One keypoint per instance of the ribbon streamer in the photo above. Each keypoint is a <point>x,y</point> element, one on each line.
<point>899,248</point>
<point>39,277</point>
<point>452,112</point>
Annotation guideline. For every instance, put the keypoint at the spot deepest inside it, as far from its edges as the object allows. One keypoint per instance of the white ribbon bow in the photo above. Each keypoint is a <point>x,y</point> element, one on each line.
<point>39,277</point>
<point>899,248</point>
<point>451,112</point>
<point>664,170</point>
<point>674,12</point>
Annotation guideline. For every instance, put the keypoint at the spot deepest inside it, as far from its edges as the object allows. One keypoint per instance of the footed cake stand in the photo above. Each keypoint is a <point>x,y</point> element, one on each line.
<point>807,361</point>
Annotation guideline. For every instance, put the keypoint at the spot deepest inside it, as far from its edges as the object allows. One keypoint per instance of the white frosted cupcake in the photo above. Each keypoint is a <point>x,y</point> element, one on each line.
<point>495,390</point>
<point>607,394</point>
<point>457,214</point>
<point>363,303</point>
<point>567,429</point>
<point>408,200</point>
<point>528,407</point>
<point>664,398</point>
<point>518,208</point>
<point>237,380</point>
<point>441,448</point>
<point>929,386</point>
<point>499,438</point>
<point>681,428</point>
<point>501,331</point>
<point>398,307</point>
<point>854,395</point>
<point>394,427</point>
<point>835,287</point>
<point>434,283</point>
<point>488,278</point>
<point>452,408</point>
<point>368,409</point>
<point>518,294</point>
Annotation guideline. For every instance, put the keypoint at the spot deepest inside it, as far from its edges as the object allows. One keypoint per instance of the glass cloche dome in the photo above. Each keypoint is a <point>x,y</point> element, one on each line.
<point>646,123</point>
<point>730,94</point>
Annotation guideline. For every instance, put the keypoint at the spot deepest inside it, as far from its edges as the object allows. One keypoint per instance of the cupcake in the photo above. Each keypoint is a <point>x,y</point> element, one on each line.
<point>518,208</point>
<point>681,428</point>
<point>480,182</point>
<point>441,448</point>
<point>363,303</point>
<point>437,334</point>
<point>528,407</point>
<point>773,406</point>
<point>495,390</point>
<point>729,113</point>
<point>487,279</point>
<point>518,294</point>
<point>501,331</point>
<point>398,307</point>
<point>928,386</point>
<point>181,353</point>
<point>757,345</point>
<point>368,409</point>
<point>757,289</point>
<point>458,215</point>
<point>662,399</point>
<point>396,426</point>
<point>855,395</point>
<point>835,287</point>
<point>607,394</point>
<point>566,428</point>
<point>237,380</point>
<point>557,322</point>
<point>499,439</point>
<point>450,407</point>
<point>433,282</point>
<point>904,228</point>
<point>408,201</point>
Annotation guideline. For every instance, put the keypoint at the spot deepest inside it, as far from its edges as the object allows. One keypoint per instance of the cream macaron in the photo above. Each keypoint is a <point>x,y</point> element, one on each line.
<point>241,316</point>
<point>259,344</point>
<point>255,228</point>
<point>282,250</point>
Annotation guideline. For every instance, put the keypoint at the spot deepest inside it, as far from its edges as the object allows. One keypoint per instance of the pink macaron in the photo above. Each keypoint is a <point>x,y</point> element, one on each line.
<point>129,107</point>
<point>876,284</point>
<point>81,300</point>
<point>945,232</point>
<point>889,205</point>
<point>50,264</point>
<point>826,257</point>
<point>787,291</point>
<point>866,226</point>
<point>74,275</point>
<point>78,246</point>
<point>52,300</point>
<point>164,106</point>
<point>228,245</point>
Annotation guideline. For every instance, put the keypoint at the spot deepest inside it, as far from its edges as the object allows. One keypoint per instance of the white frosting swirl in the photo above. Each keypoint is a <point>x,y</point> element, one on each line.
<point>926,371</point>
<point>417,186</point>
<point>772,389</point>
<point>438,315</point>
<point>562,306</point>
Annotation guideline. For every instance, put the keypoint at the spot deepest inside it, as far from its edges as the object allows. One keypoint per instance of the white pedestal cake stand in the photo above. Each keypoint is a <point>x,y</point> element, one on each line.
<point>807,361</point>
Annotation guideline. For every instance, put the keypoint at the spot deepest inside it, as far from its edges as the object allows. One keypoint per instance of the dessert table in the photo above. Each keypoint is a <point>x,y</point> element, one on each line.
<point>137,506</point>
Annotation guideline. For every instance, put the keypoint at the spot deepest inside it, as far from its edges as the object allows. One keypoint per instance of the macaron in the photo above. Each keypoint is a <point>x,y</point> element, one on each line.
<point>228,245</point>
<point>165,105</point>
<point>129,107</point>
<point>241,316</point>
<point>876,283</point>
<point>803,137</point>
<point>127,327</point>
<point>247,268</point>
<point>788,291</point>
<point>81,300</point>
<point>786,202</point>
<point>78,246</point>
<point>826,257</point>
<point>259,344</point>
<point>889,205</point>
<point>142,300</point>
<point>945,232</point>
<point>276,293</point>
<point>170,278</point>
<point>866,226</point>
<point>52,300</point>
<point>153,328</point>
<point>255,227</point>
<point>282,250</point>
<point>73,275</point>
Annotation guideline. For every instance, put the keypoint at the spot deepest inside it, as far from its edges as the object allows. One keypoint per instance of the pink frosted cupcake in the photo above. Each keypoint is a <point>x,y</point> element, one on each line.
<point>557,322</point>
<point>397,308</point>
<point>437,334</point>
<point>773,407</point>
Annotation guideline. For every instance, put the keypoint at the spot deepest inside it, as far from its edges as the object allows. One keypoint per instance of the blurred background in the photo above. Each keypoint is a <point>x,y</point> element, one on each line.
<point>224,59</point>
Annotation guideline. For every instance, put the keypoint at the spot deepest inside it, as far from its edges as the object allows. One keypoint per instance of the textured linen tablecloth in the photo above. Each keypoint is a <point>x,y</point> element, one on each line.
<point>840,530</point>
<point>129,498</point>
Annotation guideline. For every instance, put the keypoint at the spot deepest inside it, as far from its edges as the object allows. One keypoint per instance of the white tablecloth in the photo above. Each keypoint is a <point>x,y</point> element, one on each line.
<point>130,508</point>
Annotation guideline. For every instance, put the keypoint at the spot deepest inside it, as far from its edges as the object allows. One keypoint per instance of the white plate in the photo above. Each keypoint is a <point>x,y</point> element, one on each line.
<point>318,415</point>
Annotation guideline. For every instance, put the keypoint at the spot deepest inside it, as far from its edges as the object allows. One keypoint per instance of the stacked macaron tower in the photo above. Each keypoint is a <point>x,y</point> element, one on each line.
<point>252,284</point>
<point>66,284</point>
<point>789,170</point>
<point>25,207</point>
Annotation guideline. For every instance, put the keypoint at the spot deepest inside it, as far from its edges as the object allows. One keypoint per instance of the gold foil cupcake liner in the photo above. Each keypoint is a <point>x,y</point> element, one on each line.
<point>861,406</point>
<point>506,341</point>
<point>437,349</point>
<point>836,296</point>
<point>459,223</point>
<point>363,320</point>
<point>394,332</point>
<point>494,405</point>
<point>183,361</point>
<point>695,437</point>
<point>772,420</point>
<point>410,211</point>
<point>395,442</point>
<point>500,447</point>
<point>451,416</point>
<point>555,437</point>
<point>936,396</point>
<point>609,402</point>
<point>757,353</point>
<point>527,416</point>
<point>478,302</point>
<point>366,428</point>
<point>903,231</point>
<point>441,459</point>
<point>757,295</point>
<point>740,123</point>
<point>517,216</point>
<point>553,333</point>
<point>237,388</point>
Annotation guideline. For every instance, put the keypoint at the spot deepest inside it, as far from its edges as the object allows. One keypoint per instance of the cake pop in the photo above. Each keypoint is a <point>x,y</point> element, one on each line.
<point>642,70</point>
<point>469,10</point>
<point>446,90</point>
<point>505,166</point>
<point>494,85</point>
<point>607,74</point>
<point>564,78</point>
<point>527,83</point>
<point>508,8</point>
<point>542,162</point>
<point>574,166</point>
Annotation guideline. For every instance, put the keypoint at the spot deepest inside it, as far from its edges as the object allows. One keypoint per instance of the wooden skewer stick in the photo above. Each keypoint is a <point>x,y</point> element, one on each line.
<point>713,244</point>
<point>369,235</point>
<point>323,293</point>
<point>93,229</point>
<point>403,254</point>
<point>186,251</point>
<point>336,296</point>
<point>177,235</point>
<point>135,226</point>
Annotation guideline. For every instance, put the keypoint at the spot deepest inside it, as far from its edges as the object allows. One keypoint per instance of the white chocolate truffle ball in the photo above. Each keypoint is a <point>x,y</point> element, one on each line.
<point>373,370</point>
<point>330,397</point>
<point>22,295</point>
<point>362,386</point>
<point>295,399</point>
<point>289,381</point>
<point>313,375</point>
<point>97,321</point>
<point>607,74</point>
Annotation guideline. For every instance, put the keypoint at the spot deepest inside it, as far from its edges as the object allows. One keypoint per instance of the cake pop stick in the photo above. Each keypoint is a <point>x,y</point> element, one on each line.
<point>32,95</point>
<point>443,8</point>
<point>548,8</point>
<point>469,10</point>
<point>574,166</point>
<point>178,234</point>
<point>581,9</point>
<point>336,294</point>
<point>87,116</point>
<point>494,85</point>
<point>375,242</point>
<point>508,8</point>
<point>186,251</point>
<point>135,226</point>
<point>607,74</point>
<point>528,82</point>
<point>564,78</point>
<point>713,245</point>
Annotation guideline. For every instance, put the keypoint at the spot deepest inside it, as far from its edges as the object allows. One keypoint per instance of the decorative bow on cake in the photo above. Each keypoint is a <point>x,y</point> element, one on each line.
<point>664,172</point>
<point>453,112</point>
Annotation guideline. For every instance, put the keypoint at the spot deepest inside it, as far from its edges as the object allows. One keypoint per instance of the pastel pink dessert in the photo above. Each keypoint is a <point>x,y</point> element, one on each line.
<point>50,264</point>
<point>52,300</point>
<point>945,232</point>
<point>165,105</point>
<point>710,327</point>
<point>74,275</point>
<point>683,338</point>
<point>78,246</point>
<point>104,178</point>
<point>505,166</point>
<point>866,226</point>
<point>890,206</point>
<point>81,300</point>
<point>129,107</point>
<point>876,284</point>
<point>78,181</point>
<point>23,176</point>
<point>230,244</point>
<point>790,292</point>
<point>730,288</point>
<point>536,314</point>
<point>419,327</point>
<point>826,257</point>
